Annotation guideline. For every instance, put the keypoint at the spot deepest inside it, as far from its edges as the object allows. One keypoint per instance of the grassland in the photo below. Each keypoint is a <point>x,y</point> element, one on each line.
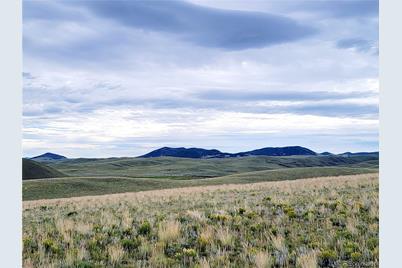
<point>116,175</point>
<point>81,186</point>
<point>325,222</point>
<point>185,168</point>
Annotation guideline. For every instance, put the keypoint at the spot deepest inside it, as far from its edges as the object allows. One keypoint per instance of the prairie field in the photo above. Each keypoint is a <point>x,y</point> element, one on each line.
<point>84,186</point>
<point>316,222</point>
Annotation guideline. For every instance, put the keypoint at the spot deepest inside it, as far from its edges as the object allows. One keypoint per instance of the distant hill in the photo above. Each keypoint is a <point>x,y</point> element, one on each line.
<point>48,157</point>
<point>187,168</point>
<point>349,154</point>
<point>186,153</point>
<point>34,170</point>
<point>278,151</point>
<point>204,153</point>
<point>326,153</point>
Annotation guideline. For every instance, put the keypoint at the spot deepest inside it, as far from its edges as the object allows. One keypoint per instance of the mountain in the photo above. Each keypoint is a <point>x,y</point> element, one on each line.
<point>326,153</point>
<point>48,157</point>
<point>186,153</point>
<point>349,154</point>
<point>279,151</point>
<point>203,153</point>
<point>34,170</point>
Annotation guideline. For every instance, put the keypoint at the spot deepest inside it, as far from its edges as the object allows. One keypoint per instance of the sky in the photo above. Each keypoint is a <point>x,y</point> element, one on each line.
<point>122,78</point>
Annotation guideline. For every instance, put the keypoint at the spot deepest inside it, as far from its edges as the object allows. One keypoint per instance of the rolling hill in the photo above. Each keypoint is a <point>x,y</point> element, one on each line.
<point>83,176</point>
<point>84,186</point>
<point>35,170</point>
<point>189,168</point>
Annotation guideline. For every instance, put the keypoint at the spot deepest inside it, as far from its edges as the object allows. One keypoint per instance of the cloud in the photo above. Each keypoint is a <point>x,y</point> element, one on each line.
<point>279,95</point>
<point>45,100</point>
<point>210,27</point>
<point>343,8</point>
<point>27,76</point>
<point>113,78</point>
<point>115,126</point>
<point>322,9</point>
<point>358,44</point>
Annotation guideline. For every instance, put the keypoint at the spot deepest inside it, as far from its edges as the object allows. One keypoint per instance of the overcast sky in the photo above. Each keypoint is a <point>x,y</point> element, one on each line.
<point>121,78</point>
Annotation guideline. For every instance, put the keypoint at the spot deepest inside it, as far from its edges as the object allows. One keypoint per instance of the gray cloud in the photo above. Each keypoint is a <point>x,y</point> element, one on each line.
<point>208,27</point>
<point>50,11</point>
<point>323,103</point>
<point>358,44</point>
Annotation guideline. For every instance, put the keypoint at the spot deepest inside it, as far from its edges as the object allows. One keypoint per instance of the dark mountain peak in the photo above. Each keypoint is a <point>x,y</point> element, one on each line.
<point>185,152</point>
<point>279,151</point>
<point>326,153</point>
<point>48,157</point>
<point>213,153</point>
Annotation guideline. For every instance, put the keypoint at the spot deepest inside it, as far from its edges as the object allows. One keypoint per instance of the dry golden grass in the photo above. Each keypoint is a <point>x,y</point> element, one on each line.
<point>301,223</point>
<point>169,231</point>
<point>287,186</point>
<point>116,252</point>
<point>307,260</point>
<point>263,260</point>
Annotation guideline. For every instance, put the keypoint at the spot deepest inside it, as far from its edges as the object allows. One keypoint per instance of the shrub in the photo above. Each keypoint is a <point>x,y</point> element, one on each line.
<point>267,198</point>
<point>327,258</point>
<point>130,244</point>
<point>29,245</point>
<point>274,231</point>
<point>95,250</point>
<point>72,213</point>
<point>205,238</point>
<point>356,256</point>
<point>145,228</point>
<point>252,215</point>
<point>350,247</point>
<point>372,243</point>
<point>189,252</point>
<point>51,247</point>
<point>173,250</point>
<point>344,234</point>
<point>83,264</point>
<point>219,217</point>
<point>242,211</point>
<point>290,212</point>
<point>338,221</point>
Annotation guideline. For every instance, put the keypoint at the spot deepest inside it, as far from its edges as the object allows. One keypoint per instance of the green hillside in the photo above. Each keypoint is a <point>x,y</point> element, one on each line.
<point>81,186</point>
<point>34,170</point>
<point>185,168</point>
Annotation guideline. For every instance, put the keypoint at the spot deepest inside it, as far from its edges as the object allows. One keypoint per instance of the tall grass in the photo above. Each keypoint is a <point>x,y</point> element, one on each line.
<point>322,222</point>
